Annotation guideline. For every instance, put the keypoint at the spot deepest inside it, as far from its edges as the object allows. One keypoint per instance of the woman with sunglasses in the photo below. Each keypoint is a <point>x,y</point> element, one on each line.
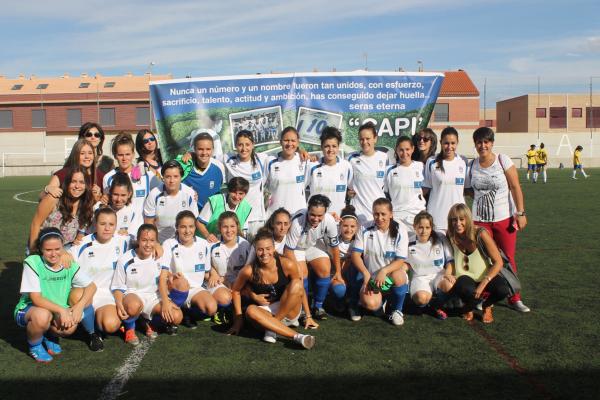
<point>471,277</point>
<point>146,145</point>
<point>425,143</point>
<point>82,155</point>
<point>94,134</point>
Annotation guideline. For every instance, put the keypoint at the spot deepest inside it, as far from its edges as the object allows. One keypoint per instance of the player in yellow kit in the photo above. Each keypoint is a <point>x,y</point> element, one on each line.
<point>577,165</point>
<point>541,161</point>
<point>531,162</point>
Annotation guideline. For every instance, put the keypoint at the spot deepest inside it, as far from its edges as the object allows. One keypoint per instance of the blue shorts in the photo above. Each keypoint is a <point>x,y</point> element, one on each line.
<point>542,165</point>
<point>577,166</point>
<point>20,316</point>
<point>531,167</point>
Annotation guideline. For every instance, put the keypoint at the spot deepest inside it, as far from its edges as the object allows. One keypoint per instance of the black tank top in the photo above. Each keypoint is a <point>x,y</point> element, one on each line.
<point>274,290</point>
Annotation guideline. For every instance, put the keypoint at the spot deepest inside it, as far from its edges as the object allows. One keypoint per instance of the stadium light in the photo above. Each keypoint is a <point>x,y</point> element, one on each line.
<point>420,64</point>
<point>150,66</point>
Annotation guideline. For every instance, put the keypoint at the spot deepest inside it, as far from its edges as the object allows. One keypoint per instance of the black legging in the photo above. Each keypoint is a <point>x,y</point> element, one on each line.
<point>466,286</point>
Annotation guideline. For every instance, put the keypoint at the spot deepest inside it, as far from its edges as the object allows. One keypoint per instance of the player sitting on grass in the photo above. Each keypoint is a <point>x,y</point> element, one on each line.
<point>429,256</point>
<point>97,255</point>
<point>275,290</point>
<point>43,308</point>
<point>378,255</point>
<point>235,201</point>
<point>134,285</point>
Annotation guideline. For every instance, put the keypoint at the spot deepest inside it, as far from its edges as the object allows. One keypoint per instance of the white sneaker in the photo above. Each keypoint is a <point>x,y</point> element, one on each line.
<point>479,305</point>
<point>397,318</point>
<point>307,341</point>
<point>519,306</point>
<point>354,314</point>
<point>270,337</point>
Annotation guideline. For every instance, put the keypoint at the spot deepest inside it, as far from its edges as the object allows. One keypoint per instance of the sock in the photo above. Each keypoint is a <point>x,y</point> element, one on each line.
<point>197,314</point>
<point>574,172</point>
<point>298,338</point>
<point>88,321</point>
<point>156,321</point>
<point>354,290</point>
<point>583,172</point>
<point>535,176</point>
<point>339,291</point>
<point>305,283</point>
<point>544,175</point>
<point>398,294</point>
<point>34,343</point>
<point>129,323</point>
<point>321,289</point>
<point>223,306</point>
<point>178,297</point>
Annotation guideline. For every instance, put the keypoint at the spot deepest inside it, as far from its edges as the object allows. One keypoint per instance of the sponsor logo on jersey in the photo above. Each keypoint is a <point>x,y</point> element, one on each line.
<point>438,262</point>
<point>140,193</point>
<point>418,184</point>
<point>460,181</point>
<point>340,188</point>
<point>299,178</point>
<point>198,267</point>
<point>380,174</point>
<point>256,176</point>
<point>389,254</point>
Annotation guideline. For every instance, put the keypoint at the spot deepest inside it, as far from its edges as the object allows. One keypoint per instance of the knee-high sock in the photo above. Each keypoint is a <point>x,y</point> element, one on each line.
<point>223,306</point>
<point>544,175</point>
<point>339,291</point>
<point>354,289</point>
<point>88,321</point>
<point>157,321</point>
<point>398,294</point>
<point>321,289</point>
<point>129,323</point>
<point>574,172</point>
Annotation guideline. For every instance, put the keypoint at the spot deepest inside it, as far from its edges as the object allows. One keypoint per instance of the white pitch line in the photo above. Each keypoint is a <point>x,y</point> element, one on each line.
<point>16,197</point>
<point>113,389</point>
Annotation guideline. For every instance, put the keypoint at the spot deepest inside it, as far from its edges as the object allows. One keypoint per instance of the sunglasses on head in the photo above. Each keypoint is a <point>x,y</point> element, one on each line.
<point>93,134</point>
<point>423,138</point>
<point>149,140</point>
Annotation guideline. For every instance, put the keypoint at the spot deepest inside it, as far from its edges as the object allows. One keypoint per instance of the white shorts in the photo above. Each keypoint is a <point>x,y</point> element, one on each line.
<point>312,253</point>
<point>193,292</point>
<point>213,289</point>
<point>273,308</point>
<point>102,297</point>
<point>425,283</point>
<point>406,219</point>
<point>149,301</point>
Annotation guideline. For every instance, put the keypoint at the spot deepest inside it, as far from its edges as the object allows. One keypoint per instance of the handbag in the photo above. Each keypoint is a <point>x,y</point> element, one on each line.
<point>507,271</point>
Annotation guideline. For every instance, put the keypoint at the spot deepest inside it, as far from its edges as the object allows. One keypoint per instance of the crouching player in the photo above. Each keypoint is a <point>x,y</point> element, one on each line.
<point>378,255</point>
<point>97,256</point>
<point>135,285</point>
<point>43,307</point>
<point>428,258</point>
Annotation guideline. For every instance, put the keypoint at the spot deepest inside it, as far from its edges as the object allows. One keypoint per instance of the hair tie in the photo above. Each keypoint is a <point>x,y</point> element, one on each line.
<point>57,234</point>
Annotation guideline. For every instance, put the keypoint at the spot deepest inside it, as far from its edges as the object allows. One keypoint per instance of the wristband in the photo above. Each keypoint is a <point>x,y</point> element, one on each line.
<point>520,213</point>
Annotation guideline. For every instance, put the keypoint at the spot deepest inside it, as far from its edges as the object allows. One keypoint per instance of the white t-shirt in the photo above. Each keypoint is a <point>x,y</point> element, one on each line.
<point>447,188</point>
<point>331,181</point>
<point>255,175</point>
<point>165,208</point>
<point>302,236</point>
<point>134,275</point>
<point>228,261</point>
<point>30,281</point>
<point>285,183</point>
<point>492,201</point>
<point>378,248</point>
<point>193,262</point>
<point>367,181</point>
<point>403,184</point>
<point>427,258</point>
<point>280,246</point>
<point>141,190</point>
<point>99,260</point>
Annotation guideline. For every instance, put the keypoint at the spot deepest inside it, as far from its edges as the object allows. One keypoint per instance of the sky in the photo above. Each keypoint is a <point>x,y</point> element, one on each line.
<point>505,44</point>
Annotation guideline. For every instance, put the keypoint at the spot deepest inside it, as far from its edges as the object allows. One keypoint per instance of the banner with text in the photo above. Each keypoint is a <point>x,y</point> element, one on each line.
<point>398,103</point>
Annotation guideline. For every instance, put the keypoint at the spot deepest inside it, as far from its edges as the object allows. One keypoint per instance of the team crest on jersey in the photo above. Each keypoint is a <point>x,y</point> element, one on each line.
<point>117,250</point>
<point>461,169</point>
<point>380,163</point>
<point>211,184</point>
<point>341,177</point>
<point>437,252</point>
<point>300,167</point>
<point>125,219</point>
<point>200,256</point>
<point>183,203</point>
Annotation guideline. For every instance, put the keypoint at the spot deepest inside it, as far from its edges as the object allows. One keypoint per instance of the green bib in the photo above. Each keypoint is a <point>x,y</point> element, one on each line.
<point>217,205</point>
<point>54,285</point>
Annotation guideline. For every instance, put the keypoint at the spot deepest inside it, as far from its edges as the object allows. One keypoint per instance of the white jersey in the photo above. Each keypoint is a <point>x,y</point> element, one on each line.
<point>285,183</point>
<point>331,181</point>
<point>134,275</point>
<point>403,185</point>
<point>345,249</point>
<point>255,175</point>
<point>141,190</point>
<point>302,236</point>
<point>164,208</point>
<point>125,216</point>
<point>492,200</point>
<point>193,261</point>
<point>99,260</point>
<point>367,182</point>
<point>446,188</point>
<point>428,258</point>
<point>280,246</point>
<point>228,261</point>
<point>378,248</point>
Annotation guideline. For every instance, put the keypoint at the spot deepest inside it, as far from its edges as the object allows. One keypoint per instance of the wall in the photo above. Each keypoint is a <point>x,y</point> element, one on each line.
<point>516,109</point>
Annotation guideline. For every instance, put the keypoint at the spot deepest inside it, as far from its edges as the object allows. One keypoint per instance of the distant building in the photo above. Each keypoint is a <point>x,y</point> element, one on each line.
<point>457,104</point>
<point>560,113</point>
<point>487,117</point>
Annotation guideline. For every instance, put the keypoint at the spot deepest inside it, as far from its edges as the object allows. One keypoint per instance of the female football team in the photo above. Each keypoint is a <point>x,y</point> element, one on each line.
<point>307,236</point>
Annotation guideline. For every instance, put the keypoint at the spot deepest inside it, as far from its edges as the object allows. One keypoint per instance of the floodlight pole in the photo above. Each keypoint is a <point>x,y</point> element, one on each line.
<point>152,64</point>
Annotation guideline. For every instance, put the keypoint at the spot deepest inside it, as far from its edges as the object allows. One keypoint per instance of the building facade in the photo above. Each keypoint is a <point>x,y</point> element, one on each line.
<point>457,104</point>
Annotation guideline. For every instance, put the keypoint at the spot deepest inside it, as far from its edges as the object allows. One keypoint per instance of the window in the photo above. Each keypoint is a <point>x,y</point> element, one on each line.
<point>38,118</point>
<point>509,115</point>
<point>84,85</point>
<point>42,86</point>
<point>558,117</point>
<point>6,119</point>
<point>489,123</point>
<point>107,116</point>
<point>18,86</point>
<point>74,117</point>
<point>109,84</point>
<point>576,113</point>
<point>592,119</point>
<point>142,116</point>
<point>540,113</point>
<point>440,113</point>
